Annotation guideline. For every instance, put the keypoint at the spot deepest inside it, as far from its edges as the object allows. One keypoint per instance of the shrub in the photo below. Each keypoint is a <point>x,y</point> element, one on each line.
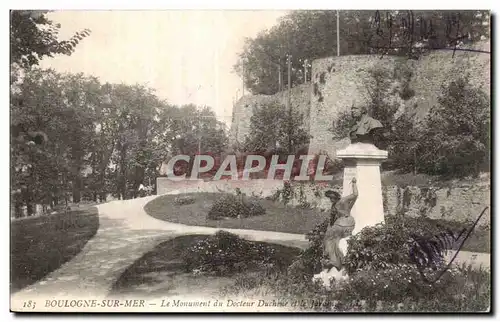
<point>309,261</point>
<point>231,206</point>
<point>398,288</point>
<point>393,282</point>
<point>391,243</point>
<point>374,247</point>
<point>382,274</point>
<point>380,247</point>
<point>226,253</point>
<point>185,200</point>
<point>285,194</point>
<point>401,286</point>
<point>456,140</point>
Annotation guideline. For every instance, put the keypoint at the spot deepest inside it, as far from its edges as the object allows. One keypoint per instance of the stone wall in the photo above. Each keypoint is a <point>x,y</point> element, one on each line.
<point>259,187</point>
<point>463,202</point>
<point>300,98</point>
<point>338,82</point>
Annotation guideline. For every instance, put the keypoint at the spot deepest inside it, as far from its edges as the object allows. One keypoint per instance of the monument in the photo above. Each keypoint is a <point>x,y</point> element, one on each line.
<point>362,159</point>
<point>361,204</point>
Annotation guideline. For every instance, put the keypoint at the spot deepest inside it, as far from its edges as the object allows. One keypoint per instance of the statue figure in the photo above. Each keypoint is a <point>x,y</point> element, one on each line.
<point>341,226</point>
<point>366,129</point>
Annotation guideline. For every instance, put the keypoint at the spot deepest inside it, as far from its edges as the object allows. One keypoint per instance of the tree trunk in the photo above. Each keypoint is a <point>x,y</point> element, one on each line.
<point>29,208</point>
<point>77,156</point>
<point>102,196</point>
<point>28,200</point>
<point>77,186</point>
<point>101,181</point>
<point>138,179</point>
<point>122,173</point>
<point>54,200</point>
<point>18,207</point>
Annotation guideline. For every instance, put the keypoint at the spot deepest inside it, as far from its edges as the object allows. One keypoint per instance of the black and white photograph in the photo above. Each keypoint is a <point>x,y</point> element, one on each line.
<point>293,161</point>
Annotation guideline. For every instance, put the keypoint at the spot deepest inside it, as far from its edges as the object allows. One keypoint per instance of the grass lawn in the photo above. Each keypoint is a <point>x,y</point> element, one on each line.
<point>161,271</point>
<point>278,217</point>
<point>41,245</point>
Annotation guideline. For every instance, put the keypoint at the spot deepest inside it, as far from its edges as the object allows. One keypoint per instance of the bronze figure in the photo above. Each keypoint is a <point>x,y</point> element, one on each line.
<point>366,128</point>
<point>341,226</point>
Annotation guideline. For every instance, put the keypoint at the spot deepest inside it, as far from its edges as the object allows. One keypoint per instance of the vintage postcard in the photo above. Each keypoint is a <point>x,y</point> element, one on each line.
<point>250,161</point>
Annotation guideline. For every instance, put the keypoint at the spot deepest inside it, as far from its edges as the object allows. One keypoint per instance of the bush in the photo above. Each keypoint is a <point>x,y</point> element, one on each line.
<point>392,243</point>
<point>459,289</point>
<point>394,282</point>
<point>186,200</point>
<point>382,274</point>
<point>380,247</point>
<point>456,140</point>
<point>225,253</point>
<point>398,288</point>
<point>231,206</point>
<point>309,261</point>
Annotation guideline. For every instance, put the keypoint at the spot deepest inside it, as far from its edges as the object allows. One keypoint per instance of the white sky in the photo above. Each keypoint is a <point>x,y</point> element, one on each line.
<point>186,56</point>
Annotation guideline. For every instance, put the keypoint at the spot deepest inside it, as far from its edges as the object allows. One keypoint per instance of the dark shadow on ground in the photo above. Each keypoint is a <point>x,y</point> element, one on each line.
<point>161,272</point>
<point>97,265</point>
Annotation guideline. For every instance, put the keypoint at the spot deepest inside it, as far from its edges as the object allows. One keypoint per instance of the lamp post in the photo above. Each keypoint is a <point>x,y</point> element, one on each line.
<point>243,81</point>
<point>338,34</point>
<point>288,102</point>
<point>280,87</point>
<point>306,65</point>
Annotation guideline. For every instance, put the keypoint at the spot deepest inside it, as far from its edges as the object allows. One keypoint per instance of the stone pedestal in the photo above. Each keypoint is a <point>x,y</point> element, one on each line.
<point>363,160</point>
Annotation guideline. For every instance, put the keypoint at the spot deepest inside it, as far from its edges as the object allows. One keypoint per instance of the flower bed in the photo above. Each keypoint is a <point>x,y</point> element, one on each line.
<point>383,276</point>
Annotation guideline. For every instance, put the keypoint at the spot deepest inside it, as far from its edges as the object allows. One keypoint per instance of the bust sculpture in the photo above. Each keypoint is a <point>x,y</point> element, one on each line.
<point>366,128</point>
<point>341,226</point>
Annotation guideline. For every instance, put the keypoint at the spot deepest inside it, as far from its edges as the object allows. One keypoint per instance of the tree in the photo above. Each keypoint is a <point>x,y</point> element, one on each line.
<point>413,33</point>
<point>271,124</point>
<point>456,139</point>
<point>312,34</point>
<point>303,35</point>
<point>60,107</point>
<point>96,138</point>
<point>33,36</point>
<point>34,156</point>
<point>192,130</point>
